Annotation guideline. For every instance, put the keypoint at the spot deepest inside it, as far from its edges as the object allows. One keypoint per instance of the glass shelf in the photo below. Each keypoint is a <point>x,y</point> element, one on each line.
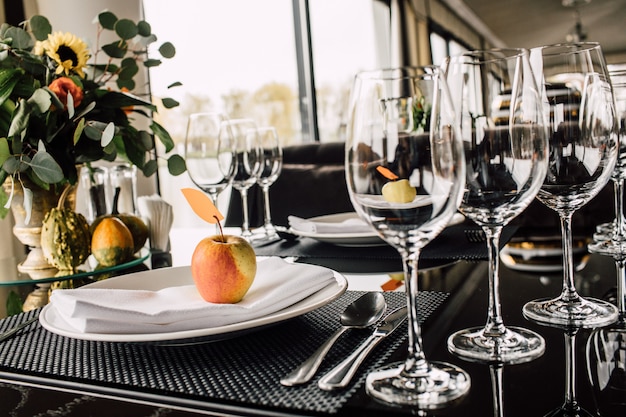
<point>86,270</point>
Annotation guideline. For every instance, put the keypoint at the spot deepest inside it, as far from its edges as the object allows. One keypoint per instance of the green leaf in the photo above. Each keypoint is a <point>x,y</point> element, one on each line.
<point>175,84</point>
<point>149,63</point>
<point>107,134</point>
<point>40,100</point>
<point>116,99</point>
<point>11,165</point>
<point>122,83</point>
<point>5,152</point>
<point>163,136</point>
<point>126,29</point>
<point>46,168</point>
<point>115,49</point>
<point>20,38</point>
<point>93,130</point>
<point>167,50</point>
<point>176,165</point>
<point>150,168</point>
<point>144,140</point>
<point>20,118</point>
<point>129,69</point>
<point>41,27</point>
<point>8,79</point>
<point>107,20</point>
<point>144,28</point>
<point>169,103</point>
<point>14,304</point>
<point>79,130</point>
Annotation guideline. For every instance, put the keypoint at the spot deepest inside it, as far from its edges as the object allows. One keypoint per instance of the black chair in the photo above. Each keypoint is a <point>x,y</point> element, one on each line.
<point>312,183</point>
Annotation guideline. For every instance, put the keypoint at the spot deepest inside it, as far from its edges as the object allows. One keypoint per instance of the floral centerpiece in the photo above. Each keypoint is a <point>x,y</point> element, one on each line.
<point>58,111</point>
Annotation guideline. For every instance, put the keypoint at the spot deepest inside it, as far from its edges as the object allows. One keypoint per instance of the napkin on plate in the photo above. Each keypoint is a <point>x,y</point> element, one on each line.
<point>277,285</point>
<point>349,225</point>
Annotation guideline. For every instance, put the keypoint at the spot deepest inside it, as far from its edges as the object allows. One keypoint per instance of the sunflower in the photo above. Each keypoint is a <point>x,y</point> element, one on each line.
<point>67,50</point>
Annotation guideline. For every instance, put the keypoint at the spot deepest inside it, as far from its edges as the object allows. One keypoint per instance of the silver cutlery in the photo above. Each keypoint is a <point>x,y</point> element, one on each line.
<point>7,334</point>
<point>340,375</point>
<point>362,312</point>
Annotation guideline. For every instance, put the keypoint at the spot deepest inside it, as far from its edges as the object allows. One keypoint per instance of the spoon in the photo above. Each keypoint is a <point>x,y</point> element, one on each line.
<point>362,312</point>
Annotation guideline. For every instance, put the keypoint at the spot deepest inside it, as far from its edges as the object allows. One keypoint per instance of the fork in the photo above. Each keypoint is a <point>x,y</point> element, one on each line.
<point>6,335</point>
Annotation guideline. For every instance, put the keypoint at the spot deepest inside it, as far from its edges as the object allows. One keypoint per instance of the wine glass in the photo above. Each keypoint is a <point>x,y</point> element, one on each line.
<point>583,152</point>
<point>405,173</point>
<point>606,347</point>
<point>249,164</point>
<point>616,230</point>
<point>505,143</point>
<point>272,165</point>
<point>210,152</point>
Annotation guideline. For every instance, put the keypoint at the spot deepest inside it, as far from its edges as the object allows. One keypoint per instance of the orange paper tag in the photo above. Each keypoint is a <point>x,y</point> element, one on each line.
<point>387,173</point>
<point>391,285</point>
<point>202,205</point>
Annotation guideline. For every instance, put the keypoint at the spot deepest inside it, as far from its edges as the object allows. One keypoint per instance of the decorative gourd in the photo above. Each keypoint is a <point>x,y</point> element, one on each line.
<point>137,227</point>
<point>111,242</point>
<point>65,236</point>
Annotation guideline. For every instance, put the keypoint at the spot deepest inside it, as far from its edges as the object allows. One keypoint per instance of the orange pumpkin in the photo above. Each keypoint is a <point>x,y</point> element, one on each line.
<point>112,242</point>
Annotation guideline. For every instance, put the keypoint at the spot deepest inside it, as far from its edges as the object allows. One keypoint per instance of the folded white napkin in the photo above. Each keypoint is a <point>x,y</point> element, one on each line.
<point>350,225</point>
<point>277,285</point>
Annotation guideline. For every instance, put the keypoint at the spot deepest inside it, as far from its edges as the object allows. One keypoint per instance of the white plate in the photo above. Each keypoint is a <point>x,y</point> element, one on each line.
<point>352,239</point>
<point>168,277</point>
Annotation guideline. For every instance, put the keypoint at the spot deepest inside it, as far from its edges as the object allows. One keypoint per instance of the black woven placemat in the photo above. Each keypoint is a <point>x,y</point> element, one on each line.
<point>452,244</point>
<point>240,371</point>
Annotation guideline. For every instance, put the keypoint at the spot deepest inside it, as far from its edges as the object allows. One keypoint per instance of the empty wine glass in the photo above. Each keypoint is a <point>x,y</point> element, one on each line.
<point>249,164</point>
<point>272,165</point>
<point>405,173</point>
<point>210,152</point>
<point>616,230</point>
<point>583,152</point>
<point>606,347</point>
<point>505,143</point>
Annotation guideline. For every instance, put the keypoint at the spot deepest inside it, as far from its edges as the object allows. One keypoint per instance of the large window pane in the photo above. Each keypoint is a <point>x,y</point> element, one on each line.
<point>235,55</point>
<point>347,36</point>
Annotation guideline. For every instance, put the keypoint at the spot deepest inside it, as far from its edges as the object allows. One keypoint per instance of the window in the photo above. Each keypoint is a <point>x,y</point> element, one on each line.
<point>243,56</point>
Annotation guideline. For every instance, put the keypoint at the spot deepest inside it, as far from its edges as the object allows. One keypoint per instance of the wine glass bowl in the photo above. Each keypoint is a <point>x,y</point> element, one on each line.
<point>210,152</point>
<point>583,153</point>
<point>405,174</point>
<point>505,143</point>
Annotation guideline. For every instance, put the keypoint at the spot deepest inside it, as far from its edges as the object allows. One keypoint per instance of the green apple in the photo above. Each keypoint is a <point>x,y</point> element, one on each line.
<point>399,191</point>
<point>223,268</point>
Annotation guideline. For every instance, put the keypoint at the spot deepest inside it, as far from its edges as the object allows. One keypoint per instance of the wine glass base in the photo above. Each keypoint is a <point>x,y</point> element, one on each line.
<point>516,345</point>
<point>443,384</point>
<point>582,312</point>
<point>566,411</point>
<point>609,247</point>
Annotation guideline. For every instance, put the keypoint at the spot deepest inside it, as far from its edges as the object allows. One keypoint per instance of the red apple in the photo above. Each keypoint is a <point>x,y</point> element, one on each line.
<point>223,268</point>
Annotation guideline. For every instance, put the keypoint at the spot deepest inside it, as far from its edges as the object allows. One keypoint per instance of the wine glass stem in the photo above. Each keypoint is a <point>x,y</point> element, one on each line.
<point>620,265</point>
<point>245,226</point>
<point>570,370</point>
<point>495,325</point>
<point>495,372</point>
<point>569,290</point>
<point>620,222</point>
<point>415,364</point>
<point>266,201</point>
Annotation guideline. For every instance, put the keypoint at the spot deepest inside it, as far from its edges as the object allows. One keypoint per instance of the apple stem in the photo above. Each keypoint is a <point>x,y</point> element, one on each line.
<point>221,230</point>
